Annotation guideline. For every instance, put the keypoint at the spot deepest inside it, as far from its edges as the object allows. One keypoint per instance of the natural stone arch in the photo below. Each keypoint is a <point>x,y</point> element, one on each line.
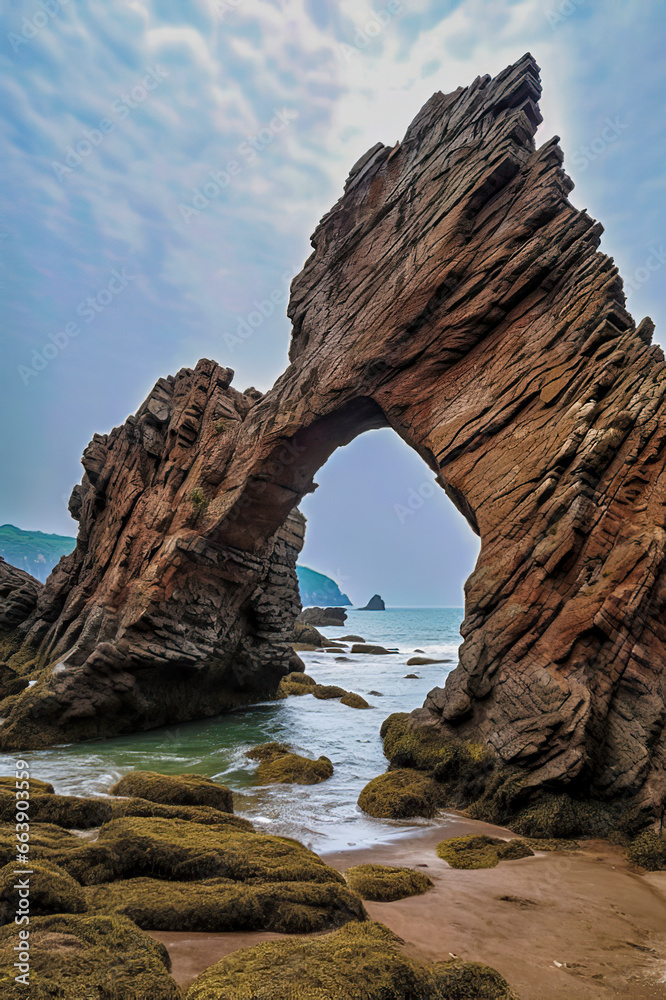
<point>456,294</point>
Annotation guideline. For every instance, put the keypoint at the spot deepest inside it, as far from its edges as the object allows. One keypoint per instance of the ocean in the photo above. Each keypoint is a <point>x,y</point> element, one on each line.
<point>325,817</point>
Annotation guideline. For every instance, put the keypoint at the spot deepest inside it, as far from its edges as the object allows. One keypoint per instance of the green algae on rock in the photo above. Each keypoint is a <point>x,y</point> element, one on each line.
<point>36,787</point>
<point>384,883</point>
<point>183,851</point>
<point>69,811</point>
<point>264,751</point>
<point>400,795</point>
<point>481,851</point>
<point>207,815</point>
<point>291,768</point>
<point>52,890</point>
<point>353,700</point>
<point>75,957</point>
<point>175,789</point>
<point>221,904</point>
<point>296,683</point>
<point>360,960</point>
<point>328,691</point>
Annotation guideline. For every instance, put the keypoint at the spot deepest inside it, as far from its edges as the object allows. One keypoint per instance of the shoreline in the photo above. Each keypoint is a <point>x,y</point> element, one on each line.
<point>587,910</point>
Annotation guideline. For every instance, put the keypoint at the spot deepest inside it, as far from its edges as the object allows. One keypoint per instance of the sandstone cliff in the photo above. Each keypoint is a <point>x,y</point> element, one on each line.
<point>456,295</point>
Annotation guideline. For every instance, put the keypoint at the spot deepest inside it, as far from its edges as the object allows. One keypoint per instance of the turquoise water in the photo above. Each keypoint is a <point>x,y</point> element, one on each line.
<point>325,816</point>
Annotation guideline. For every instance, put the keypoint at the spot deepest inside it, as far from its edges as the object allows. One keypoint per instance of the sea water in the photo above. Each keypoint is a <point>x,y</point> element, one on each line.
<point>326,816</point>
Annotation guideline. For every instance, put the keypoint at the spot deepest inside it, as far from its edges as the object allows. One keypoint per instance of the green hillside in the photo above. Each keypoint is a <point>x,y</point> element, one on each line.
<point>33,551</point>
<point>319,590</point>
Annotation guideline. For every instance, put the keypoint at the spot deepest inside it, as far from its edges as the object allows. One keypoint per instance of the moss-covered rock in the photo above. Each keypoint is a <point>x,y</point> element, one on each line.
<point>469,981</point>
<point>174,849</point>
<point>175,789</point>
<point>383,883</point>
<point>70,811</point>
<point>308,634</point>
<point>353,700</point>
<point>74,957</point>
<point>360,960</point>
<point>265,751</point>
<point>51,890</point>
<point>37,787</point>
<point>561,816</point>
<point>86,862</point>
<point>649,851</point>
<point>400,795</point>
<point>291,768</point>
<point>460,767</point>
<point>217,905</point>
<point>328,691</point>
<point>296,684</point>
<point>480,851</point>
<point>206,815</point>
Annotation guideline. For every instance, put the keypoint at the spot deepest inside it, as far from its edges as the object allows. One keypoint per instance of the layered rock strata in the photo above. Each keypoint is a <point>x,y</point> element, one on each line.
<point>456,295</point>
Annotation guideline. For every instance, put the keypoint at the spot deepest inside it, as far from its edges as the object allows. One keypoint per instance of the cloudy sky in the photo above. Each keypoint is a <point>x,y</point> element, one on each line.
<point>122,260</point>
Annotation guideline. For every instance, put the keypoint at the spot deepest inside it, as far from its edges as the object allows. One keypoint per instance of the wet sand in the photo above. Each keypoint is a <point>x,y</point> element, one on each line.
<point>559,926</point>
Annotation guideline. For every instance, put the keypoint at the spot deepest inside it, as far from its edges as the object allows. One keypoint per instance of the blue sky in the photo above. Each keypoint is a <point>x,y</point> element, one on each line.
<point>114,117</point>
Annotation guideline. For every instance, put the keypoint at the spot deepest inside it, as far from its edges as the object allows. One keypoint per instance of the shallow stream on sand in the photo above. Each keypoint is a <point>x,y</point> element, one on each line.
<point>325,816</point>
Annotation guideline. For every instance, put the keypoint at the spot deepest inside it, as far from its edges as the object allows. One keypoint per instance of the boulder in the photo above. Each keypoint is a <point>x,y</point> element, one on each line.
<point>353,700</point>
<point>78,955</point>
<point>308,634</point>
<point>361,960</point>
<point>384,884</point>
<point>423,661</point>
<point>480,851</point>
<point>175,789</point>
<point>296,684</point>
<point>292,768</point>
<point>400,794</point>
<point>52,890</point>
<point>328,691</point>
<point>364,647</point>
<point>322,617</point>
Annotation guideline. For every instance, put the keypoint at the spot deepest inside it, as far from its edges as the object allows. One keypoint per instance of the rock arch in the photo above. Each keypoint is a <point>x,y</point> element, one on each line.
<point>455,294</point>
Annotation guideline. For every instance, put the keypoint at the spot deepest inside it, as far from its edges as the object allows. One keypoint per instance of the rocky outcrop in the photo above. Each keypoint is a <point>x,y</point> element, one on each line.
<point>18,595</point>
<point>149,621</point>
<point>374,604</point>
<point>322,617</point>
<point>457,296</point>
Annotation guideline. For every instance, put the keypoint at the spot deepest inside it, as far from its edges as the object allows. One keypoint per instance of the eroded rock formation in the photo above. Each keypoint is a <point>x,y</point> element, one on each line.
<point>134,627</point>
<point>456,295</point>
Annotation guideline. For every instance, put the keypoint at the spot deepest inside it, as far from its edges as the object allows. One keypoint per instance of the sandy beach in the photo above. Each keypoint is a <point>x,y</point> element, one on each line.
<point>579,925</point>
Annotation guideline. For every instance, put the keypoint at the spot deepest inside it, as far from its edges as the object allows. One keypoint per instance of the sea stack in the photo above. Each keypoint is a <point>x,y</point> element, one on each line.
<point>374,604</point>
